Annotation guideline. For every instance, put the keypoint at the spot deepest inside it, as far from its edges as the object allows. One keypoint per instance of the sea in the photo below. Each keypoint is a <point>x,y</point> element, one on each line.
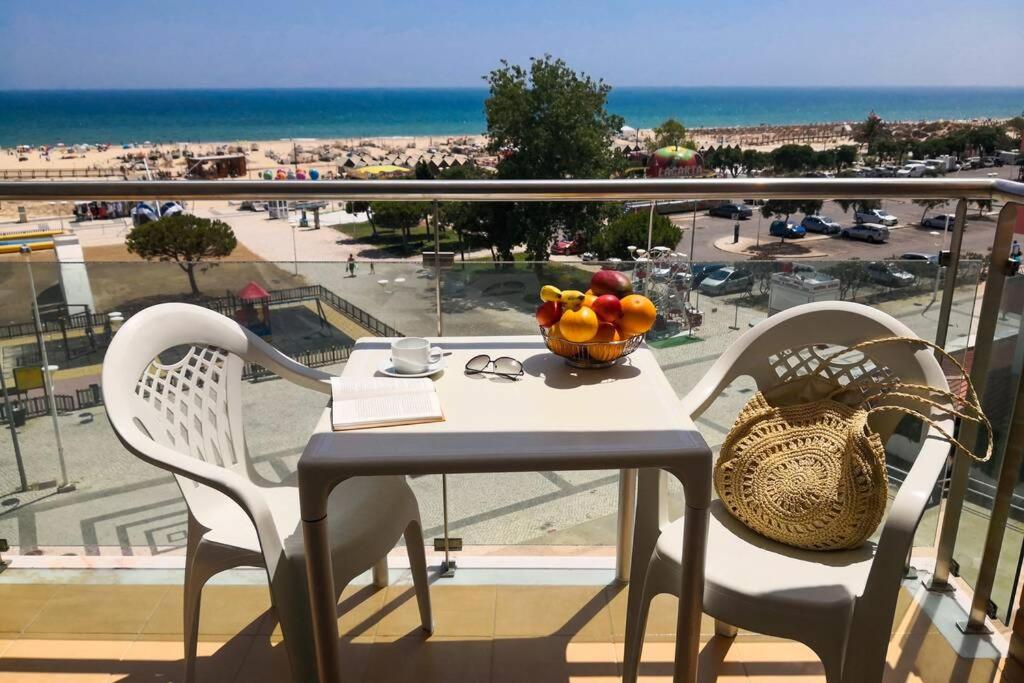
<point>36,117</point>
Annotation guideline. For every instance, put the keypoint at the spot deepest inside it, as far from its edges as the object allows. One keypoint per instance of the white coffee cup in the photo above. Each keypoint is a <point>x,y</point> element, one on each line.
<point>411,355</point>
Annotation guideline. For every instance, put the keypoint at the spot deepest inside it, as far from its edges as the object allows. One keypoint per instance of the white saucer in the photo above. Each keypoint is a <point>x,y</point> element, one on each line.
<point>387,368</point>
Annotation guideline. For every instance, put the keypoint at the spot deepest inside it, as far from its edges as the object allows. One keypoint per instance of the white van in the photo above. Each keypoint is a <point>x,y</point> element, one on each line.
<point>912,170</point>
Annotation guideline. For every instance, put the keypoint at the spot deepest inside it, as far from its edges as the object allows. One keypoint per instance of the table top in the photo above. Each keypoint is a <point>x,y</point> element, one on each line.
<point>554,417</point>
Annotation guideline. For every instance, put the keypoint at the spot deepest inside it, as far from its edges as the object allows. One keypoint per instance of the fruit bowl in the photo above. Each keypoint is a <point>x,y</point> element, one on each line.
<point>592,355</point>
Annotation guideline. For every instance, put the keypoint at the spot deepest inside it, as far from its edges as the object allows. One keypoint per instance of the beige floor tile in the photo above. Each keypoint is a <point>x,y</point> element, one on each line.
<point>361,607</point>
<point>4,644</point>
<point>778,661</point>
<point>553,659</point>
<point>575,611</point>
<point>22,603</point>
<point>84,610</point>
<point>928,656</point>
<point>661,622</point>
<point>91,661</point>
<point>416,659</point>
<point>457,611</point>
<point>225,611</point>
<point>164,660</point>
<point>717,661</point>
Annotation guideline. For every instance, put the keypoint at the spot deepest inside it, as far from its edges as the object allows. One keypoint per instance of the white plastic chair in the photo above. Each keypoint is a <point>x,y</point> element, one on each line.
<point>835,602</point>
<point>186,417</point>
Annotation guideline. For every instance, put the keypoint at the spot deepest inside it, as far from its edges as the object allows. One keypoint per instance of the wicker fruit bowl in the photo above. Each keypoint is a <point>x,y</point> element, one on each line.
<point>591,354</point>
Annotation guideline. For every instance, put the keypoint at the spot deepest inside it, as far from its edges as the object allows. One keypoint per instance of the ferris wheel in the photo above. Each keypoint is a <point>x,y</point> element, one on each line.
<point>663,276</point>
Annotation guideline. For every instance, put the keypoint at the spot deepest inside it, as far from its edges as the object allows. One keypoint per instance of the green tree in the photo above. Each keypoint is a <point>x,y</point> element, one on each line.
<point>727,159</point>
<point>787,207</point>
<point>983,206</point>
<point>845,155</point>
<point>793,158</point>
<point>546,122</point>
<point>401,216</point>
<point>362,207</point>
<point>858,204</point>
<point>631,229</point>
<point>670,133</point>
<point>871,132</point>
<point>851,275</point>
<point>465,218</point>
<point>185,239</point>
<point>755,160</point>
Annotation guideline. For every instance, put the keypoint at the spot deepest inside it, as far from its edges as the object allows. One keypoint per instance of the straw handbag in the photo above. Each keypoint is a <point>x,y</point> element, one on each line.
<point>802,466</point>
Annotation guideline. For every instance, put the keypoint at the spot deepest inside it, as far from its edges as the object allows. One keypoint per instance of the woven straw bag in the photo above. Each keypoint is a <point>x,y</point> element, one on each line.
<point>802,466</point>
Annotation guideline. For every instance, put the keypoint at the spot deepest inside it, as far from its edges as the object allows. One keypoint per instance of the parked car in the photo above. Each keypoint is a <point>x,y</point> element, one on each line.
<point>811,275</point>
<point>919,256</point>
<point>868,232</point>
<point>588,256</point>
<point>786,230</point>
<point>914,170</point>
<point>702,270</point>
<point>875,216</point>
<point>940,221</point>
<point>821,224</point>
<point>726,280</point>
<point>730,209</point>
<point>889,274</point>
<point>566,247</point>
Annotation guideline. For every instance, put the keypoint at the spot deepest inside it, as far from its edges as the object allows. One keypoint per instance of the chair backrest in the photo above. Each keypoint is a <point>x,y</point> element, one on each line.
<point>190,405</point>
<point>797,342</point>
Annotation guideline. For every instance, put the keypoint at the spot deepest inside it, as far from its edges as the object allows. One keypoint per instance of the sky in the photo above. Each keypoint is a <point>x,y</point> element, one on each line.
<point>58,44</point>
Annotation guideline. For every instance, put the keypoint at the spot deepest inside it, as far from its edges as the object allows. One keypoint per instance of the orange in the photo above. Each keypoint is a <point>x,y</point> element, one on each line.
<point>589,299</point>
<point>638,314</point>
<point>605,351</point>
<point>556,342</point>
<point>579,325</point>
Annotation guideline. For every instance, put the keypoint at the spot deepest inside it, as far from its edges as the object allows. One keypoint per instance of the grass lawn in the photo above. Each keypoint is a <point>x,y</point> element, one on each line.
<point>390,241</point>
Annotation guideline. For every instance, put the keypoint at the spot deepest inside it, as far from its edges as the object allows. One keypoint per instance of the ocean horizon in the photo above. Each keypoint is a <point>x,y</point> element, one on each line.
<point>37,117</point>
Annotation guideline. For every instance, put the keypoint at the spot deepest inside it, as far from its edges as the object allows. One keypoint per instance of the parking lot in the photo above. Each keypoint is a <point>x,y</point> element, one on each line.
<point>906,236</point>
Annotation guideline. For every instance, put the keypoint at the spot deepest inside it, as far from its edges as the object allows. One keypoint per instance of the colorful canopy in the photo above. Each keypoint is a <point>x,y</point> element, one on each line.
<point>675,156</point>
<point>252,292</point>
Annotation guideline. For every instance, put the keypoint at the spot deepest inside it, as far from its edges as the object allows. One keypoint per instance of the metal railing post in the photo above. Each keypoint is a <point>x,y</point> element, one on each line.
<point>955,245</point>
<point>984,339</point>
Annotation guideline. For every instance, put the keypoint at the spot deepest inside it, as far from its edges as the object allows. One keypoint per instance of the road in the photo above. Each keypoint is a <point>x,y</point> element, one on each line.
<point>905,237</point>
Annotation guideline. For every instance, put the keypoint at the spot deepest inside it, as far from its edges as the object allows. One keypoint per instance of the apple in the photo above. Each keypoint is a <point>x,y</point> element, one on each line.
<point>549,313</point>
<point>611,282</point>
<point>607,307</point>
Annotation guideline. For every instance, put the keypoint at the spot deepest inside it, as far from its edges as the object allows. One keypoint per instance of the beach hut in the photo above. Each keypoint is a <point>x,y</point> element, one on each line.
<point>675,162</point>
<point>217,166</point>
<point>254,309</point>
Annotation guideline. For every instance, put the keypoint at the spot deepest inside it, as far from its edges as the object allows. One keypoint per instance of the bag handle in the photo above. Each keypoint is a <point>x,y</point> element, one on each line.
<point>969,401</point>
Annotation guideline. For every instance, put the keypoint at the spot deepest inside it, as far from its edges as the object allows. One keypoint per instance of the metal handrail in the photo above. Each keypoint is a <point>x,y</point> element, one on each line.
<point>521,190</point>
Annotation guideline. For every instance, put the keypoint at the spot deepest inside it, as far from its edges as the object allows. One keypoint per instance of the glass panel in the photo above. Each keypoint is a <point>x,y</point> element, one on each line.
<point>998,401</point>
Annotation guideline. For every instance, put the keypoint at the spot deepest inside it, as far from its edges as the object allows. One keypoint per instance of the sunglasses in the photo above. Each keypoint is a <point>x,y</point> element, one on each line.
<point>506,367</point>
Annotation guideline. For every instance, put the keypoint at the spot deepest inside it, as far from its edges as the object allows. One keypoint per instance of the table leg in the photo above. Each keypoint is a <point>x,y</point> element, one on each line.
<point>320,573</point>
<point>691,593</point>
<point>626,524</point>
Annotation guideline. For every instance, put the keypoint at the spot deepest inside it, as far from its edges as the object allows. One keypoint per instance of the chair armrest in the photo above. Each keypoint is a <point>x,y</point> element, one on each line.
<point>283,366</point>
<point>905,514</point>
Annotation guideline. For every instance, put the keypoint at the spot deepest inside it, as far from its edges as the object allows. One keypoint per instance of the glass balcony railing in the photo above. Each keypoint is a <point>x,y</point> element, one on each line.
<point>319,305</point>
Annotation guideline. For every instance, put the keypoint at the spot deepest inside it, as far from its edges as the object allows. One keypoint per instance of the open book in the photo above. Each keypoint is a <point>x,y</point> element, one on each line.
<point>380,402</point>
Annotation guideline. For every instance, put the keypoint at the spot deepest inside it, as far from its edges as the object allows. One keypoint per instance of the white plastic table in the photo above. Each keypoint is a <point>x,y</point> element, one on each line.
<point>553,418</point>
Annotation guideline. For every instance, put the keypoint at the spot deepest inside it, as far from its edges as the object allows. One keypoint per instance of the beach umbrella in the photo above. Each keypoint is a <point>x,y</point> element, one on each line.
<point>267,175</point>
<point>314,174</point>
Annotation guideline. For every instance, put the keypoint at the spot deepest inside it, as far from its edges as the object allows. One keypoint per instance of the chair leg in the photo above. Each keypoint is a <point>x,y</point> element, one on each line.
<point>638,606</point>
<point>418,567</point>
<point>380,573</point>
<point>190,618</point>
<point>725,630</point>
<point>291,602</point>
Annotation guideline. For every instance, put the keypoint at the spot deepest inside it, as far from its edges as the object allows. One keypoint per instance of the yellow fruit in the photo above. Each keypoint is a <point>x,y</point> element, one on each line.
<point>579,325</point>
<point>572,298</point>
<point>605,351</point>
<point>550,293</point>
<point>589,299</point>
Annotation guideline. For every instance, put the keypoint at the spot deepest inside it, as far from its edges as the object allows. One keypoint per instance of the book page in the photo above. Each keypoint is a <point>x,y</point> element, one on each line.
<point>346,388</point>
<point>403,401</point>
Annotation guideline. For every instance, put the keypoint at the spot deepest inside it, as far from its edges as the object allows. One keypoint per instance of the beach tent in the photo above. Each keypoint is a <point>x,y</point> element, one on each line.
<point>628,130</point>
<point>382,171</point>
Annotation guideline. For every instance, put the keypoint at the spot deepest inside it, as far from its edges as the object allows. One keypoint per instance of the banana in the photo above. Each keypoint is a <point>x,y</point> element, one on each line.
<point>572,298</point>
<point>550,293</point>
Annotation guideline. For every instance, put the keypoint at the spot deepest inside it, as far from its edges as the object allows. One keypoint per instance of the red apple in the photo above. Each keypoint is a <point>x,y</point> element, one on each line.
<point>607,308</point>
<point>611,282</point>
<point>549,313</point>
